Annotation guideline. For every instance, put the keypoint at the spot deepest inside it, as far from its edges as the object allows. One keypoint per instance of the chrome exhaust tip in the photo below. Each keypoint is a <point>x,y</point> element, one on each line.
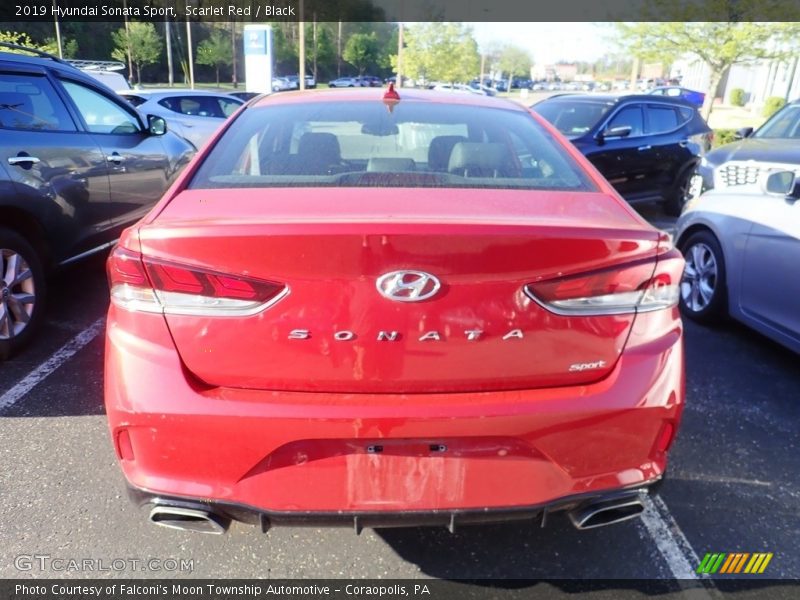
<point>607,512</point>
<point>187,519</point>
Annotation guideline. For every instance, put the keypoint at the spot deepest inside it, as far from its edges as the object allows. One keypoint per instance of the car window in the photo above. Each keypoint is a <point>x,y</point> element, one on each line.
<point>686,114</point>
<point>135,100</point>
<point>573,118</point>
<point>629,116</point>
<point>228,106</point>
<point>201,106</point>
<point>29,102</point>
<point>783,124</point>
<point>661,119</point>
<point>674,92</point>
<point>100,113</point>
<point>417,144</point>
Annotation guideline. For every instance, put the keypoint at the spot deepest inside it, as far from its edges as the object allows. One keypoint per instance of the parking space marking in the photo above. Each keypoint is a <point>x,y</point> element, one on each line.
<point>58,358</point>
<point>704,477</point>
<point>673,546</point>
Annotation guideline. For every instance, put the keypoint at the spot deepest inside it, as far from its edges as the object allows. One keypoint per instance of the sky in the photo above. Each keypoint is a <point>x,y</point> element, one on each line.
<point>551,42</point>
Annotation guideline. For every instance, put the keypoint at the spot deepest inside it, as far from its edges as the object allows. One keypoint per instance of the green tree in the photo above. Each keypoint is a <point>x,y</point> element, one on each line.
<point>69,47</point>
<point>215,52</point>
<point>514,60</point>
<point>14,37</point>
<point>322,54</point>
<point>719,45</point>
<point>440,51</point>
<point>362,50</point>
<point>145,45</point>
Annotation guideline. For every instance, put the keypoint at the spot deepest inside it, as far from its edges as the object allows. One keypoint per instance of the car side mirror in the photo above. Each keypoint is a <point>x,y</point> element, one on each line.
<point>744,132</point>
<point>783,183</point>
<point>620,131</point>
<point>156,125</point>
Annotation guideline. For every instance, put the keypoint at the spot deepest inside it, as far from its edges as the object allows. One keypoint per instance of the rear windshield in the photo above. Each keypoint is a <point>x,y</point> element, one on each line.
<point>784,124</point>
<point>573,118</point>
<point>416,144</point>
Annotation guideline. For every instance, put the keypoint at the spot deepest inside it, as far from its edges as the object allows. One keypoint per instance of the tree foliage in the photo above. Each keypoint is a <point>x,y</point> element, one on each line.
<point>362,50</point>
<point>68,46</point>
<point>513,60</point>
<point>719,45</point>
<point>144,43</point>
<point>440,52</point>
<point>215,51</point>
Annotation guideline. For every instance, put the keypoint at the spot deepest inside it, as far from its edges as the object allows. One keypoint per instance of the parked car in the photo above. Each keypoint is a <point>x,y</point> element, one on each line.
<point>193,114</point>
<point>344,82</point>
<point>294,336</point>
<point>370,81</point>
<point>742,249</point>
<point>244,96</point>
<point>282,84</point>
<point>646,147</point>
<point>742,164</point>
<point>108,72</point>
<point>674,91</point>
<point>484,89</point>
<point>293,82</point>
<point>460,88</point>
<point>77,165</point>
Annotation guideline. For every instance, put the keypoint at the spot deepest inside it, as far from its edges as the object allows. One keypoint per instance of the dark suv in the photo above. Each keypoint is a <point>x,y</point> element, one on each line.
<point>647,147</point>
<point>774,146</point>
<point>77,165</point>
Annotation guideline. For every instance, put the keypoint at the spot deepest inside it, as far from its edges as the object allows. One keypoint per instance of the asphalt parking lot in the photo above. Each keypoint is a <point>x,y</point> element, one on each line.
<point>733,483</point>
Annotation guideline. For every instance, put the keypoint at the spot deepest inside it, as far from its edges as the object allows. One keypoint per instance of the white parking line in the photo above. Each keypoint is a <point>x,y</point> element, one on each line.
<point>669,539</point>
<point>678,553</point>
<point>58,358</point>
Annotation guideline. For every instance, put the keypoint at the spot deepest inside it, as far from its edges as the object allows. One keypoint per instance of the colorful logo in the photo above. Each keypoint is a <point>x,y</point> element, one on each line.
<point>734,562</point>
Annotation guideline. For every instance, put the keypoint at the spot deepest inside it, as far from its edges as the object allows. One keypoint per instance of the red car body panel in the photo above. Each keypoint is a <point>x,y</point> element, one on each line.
<point>484,254</point>
<point>230,409</point>
<point>293,451</point>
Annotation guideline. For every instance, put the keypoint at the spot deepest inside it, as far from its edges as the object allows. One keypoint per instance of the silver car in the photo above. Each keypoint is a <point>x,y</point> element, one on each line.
<point>742,254</point>
<point>192,114</point>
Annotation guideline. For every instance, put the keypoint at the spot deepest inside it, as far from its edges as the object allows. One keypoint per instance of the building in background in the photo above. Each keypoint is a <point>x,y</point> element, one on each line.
<point>760,80</point>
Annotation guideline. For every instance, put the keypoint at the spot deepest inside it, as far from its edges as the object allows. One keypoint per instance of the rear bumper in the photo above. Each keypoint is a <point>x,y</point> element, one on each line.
<point>224,512</point>
<point>388,457</point>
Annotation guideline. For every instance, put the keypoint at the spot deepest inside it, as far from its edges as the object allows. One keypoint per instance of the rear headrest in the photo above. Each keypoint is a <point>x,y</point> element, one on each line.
<point>389,165</point>
<point>440,149</point>
<point>480,159</point>
<point>320,147</point>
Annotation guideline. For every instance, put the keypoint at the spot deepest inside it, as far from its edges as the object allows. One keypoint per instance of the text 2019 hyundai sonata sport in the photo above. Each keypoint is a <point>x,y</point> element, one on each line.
<point>378,310</point>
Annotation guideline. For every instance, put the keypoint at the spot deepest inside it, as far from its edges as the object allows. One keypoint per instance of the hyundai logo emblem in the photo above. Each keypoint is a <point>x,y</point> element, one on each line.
<point>407,286</point>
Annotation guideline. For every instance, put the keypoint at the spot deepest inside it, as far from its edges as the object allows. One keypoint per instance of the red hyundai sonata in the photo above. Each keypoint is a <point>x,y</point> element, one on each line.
<point>371,309</point>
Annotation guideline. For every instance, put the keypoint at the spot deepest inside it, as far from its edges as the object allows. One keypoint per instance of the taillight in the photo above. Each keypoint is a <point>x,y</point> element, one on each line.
<point>638,287</point>
<point>149,285</point>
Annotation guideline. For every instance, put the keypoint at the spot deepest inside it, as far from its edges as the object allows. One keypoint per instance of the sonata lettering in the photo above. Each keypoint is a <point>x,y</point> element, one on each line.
<point>471,335</point>
<point>430,335</point>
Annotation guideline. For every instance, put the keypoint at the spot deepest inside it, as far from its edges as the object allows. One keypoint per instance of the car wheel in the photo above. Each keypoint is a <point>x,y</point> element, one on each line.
<point>703,286</point>
<point>679,195</point>
<point>22,290</point>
